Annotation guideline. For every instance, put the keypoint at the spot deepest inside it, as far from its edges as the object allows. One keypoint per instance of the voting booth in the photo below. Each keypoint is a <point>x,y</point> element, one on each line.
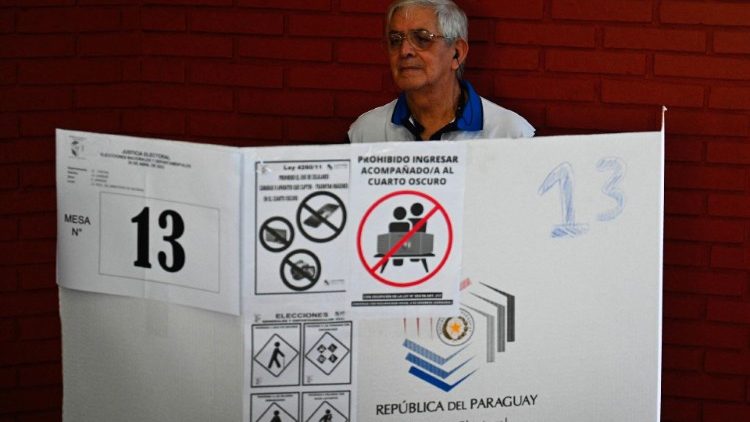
<point>489,280</point>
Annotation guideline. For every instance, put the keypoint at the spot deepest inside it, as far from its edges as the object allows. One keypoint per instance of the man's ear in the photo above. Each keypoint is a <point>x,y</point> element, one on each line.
<point>461,50</point>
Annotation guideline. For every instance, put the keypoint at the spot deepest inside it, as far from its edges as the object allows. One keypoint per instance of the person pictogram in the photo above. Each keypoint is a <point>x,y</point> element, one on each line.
<point>417,248</point>
<point>275,355</point>
<point>276,417</point>
<point>328,417</point>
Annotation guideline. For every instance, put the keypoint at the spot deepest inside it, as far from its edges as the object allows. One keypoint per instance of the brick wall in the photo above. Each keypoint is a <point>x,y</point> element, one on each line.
<point>269,72</point>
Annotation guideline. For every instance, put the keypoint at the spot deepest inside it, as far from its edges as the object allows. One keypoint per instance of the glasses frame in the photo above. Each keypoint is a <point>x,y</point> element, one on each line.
<point>395,39</point>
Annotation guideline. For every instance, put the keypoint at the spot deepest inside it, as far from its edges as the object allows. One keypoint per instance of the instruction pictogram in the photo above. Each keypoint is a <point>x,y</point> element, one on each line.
<point>300,270</point>
<point>275,355</point>
<point>276,234</point>
<point>405,227</point>
<point>321,216</point>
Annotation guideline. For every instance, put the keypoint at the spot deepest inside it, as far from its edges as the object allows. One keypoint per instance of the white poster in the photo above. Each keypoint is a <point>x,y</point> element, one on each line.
<point>149,218</point>
<point>408,210</point>
<point>560,306</point>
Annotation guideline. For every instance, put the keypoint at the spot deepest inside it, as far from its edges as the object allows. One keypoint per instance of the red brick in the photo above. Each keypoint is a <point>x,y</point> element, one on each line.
<point>28,303</point>
<point>239,22</point>
<point>251,128</point>
<point>154,122</point>
<point>545,34</point>
<point>656,93</point>
<point>687,359</point>
<point>544,88</point>
<point>735,363</point>
<point>336,26</point>
<point>69,72</point>
<point>237,75</point>
<point>683,149</point>
<point>600,118</point>
<point>8,177</point>
<point>734,312</point>
<point>595,62</point>
<point>695,177</point>
<point>730,257</point>
<point>130,17</point>
<point>597,10</point>
<point>107,96</point>
<point>707,123</point>
<point>8,126</point>
<point>7,21</point>
<point>8,229</point>
<point>27,252</point>
<point>363,52</point>
<point>7,73</point>
<point>25,400</point>
<point>187,45</point>
<point>33,98</point>
<point>351,105</point>
<point>737,98</point>
<point>359,6</point>
<point>38,176</point>
<point>39,327</point>
<point>712,13</point>
<point>68,20</point>
<point>495,57</point>
<point>528,9</point>
<point>119,44</point>
<point>680,410</point>
<point>327,131</point>
<point>728,205</point>
<point>163,19</point>
<point>285,49</point>
<point>8,331</point>
<point>655,39</point>
<point>8,279</point>
<point>185,2</point>
<point>194,98</point>
<point>38,227</point>
<point>28,150</point>
<point>37,277</point>
<point>684,307</point>
<point>45,123</point>
<point>163,70</point>
<point>722,412</point>
<point>701,67</point>
<point>46,374</point>
<point>685,254</point>
<point>703,386</point>
<point>482,30</point>
<point>705,282</point>
<point>8,377</point>
<point>44,416</point>
<point>729,152</point>
<point>334,77</point>
<point>283,103</point>
<point>732,42</point>
<point>24,202</point>
<point>288,4</point>
<point>37,46</point>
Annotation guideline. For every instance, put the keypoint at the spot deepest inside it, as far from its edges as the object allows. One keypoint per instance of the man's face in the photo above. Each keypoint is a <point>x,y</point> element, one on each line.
<point>413,69</point>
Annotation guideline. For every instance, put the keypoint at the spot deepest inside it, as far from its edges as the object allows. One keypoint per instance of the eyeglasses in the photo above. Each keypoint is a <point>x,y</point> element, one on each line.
<point>420,39</point>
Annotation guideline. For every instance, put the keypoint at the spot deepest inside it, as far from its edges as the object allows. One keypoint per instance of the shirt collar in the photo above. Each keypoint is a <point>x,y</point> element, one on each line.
<point>470,116</point>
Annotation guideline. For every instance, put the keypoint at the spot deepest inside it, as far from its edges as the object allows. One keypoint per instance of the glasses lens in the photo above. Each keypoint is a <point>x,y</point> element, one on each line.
<point>421,38</point>
<point>395,39</point>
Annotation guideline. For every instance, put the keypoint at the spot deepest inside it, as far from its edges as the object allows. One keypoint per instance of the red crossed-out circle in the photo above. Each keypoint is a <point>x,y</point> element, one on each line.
<point>372,270</point>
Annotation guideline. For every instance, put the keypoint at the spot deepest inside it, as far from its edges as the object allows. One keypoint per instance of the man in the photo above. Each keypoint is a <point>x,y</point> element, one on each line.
<point>427,42</point>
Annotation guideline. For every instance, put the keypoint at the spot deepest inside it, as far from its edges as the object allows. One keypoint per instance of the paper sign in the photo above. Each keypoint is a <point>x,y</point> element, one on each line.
<point>409,216</point>
<point>149,218</point>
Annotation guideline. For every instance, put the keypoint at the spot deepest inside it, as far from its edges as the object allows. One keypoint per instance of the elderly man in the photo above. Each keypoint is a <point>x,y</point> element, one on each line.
<point>427,42</point>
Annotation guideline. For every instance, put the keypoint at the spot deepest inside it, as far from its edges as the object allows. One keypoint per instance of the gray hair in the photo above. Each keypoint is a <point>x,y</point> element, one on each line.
<point>451,20</point>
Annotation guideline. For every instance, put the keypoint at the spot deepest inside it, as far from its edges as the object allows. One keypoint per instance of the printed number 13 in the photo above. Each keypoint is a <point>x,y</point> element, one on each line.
<point>178,228</point>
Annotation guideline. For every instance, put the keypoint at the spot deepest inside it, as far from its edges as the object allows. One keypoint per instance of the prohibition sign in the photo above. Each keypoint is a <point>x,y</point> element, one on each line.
<point>302,274</point>
<point>436,208</point>
<point>274,234</point>
<point>319,217</point>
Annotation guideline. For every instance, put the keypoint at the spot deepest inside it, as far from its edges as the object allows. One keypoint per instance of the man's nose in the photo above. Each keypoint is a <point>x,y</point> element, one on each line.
<point>406,49</point>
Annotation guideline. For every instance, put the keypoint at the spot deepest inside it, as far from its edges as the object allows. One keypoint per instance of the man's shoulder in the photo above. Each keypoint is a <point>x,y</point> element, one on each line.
<point>499,122</point>
<point>372,124</point>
